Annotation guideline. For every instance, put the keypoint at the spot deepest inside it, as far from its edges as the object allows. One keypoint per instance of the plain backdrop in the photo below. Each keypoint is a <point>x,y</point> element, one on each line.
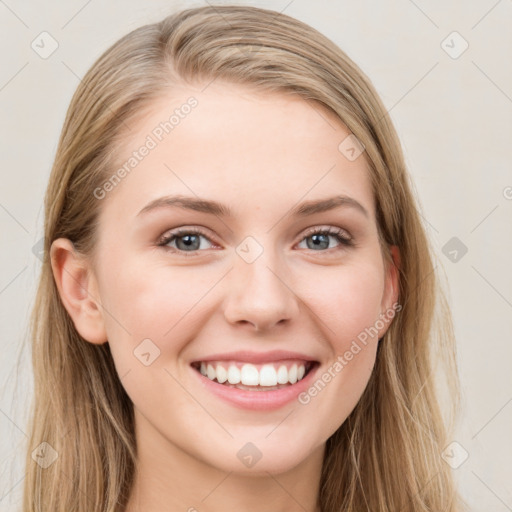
<point>443,71</point>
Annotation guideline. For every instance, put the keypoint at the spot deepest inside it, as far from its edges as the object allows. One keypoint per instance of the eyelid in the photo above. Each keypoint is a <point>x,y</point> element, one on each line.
<point>334,231</point>
<point>172,233</point>
<point>329,229</point>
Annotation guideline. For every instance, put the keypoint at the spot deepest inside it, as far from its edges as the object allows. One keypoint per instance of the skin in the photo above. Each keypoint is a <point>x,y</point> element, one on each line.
<point>261,155</point>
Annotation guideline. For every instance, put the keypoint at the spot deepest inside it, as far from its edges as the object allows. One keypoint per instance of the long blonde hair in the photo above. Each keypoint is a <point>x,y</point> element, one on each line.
<point>386,456</point>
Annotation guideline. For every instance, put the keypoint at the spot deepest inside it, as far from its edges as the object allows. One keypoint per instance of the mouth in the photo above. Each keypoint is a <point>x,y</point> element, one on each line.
<point>269,376</point>
<point>257,381</point>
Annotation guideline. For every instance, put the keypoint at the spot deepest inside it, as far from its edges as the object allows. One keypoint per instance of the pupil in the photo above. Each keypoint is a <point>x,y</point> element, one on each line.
<point>316,238</point>
<point>188,241</point>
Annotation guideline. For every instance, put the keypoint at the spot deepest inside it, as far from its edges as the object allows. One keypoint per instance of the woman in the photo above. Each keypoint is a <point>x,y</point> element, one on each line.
<point>237,307</point>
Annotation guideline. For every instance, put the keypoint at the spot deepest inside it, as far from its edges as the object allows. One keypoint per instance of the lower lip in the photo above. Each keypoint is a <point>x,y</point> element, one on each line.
<point>258,400</point>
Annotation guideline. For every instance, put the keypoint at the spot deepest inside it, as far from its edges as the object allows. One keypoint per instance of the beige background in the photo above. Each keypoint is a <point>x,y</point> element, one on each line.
<point>453,112</point>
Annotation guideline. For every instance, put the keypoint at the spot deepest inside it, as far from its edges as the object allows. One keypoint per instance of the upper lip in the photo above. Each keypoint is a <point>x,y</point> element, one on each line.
<point>256,357</point>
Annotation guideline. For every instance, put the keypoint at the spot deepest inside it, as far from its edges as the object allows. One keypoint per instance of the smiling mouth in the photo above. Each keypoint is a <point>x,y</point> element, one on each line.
<point>255,377</point>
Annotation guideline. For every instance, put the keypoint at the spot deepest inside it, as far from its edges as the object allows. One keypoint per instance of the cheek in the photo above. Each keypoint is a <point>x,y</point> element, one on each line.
<point>155,303</point>
<point>348,301</point>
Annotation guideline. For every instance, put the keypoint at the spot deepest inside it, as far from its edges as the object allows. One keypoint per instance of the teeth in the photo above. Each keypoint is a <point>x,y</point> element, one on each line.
<point>249,375</point>
<point>210,372</point>
<point>292,374</point>
<point>233,375</point>
<point>268,375</point>
<point>282,375</point>
<point>222,374</point>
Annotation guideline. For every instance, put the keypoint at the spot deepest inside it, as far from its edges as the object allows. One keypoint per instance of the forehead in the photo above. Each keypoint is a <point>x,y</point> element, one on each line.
<point>236,145</point>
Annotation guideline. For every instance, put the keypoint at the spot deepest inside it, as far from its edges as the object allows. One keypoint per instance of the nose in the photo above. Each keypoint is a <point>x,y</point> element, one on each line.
<point>259,294</point>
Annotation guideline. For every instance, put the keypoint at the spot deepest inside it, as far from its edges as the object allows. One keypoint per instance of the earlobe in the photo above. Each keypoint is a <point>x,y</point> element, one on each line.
<point>78,290</point>
<point>390,304</point>
<point>393,275</point>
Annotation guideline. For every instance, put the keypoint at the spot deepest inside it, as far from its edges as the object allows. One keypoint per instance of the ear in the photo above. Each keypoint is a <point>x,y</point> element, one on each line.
<point>389,305</point>
<point>78,290</point>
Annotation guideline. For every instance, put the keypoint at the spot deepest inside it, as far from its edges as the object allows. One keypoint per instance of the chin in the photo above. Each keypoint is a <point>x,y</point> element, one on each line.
<point>262,457</point>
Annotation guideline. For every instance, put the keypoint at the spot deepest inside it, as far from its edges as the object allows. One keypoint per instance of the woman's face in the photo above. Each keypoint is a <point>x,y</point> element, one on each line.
<point>266,292</point>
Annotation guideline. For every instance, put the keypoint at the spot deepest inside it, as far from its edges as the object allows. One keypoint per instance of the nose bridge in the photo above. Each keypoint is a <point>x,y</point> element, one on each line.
<point>258,291</point>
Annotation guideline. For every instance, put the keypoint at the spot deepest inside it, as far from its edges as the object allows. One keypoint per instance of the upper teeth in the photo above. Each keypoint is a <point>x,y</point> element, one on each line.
<point>250,375</point>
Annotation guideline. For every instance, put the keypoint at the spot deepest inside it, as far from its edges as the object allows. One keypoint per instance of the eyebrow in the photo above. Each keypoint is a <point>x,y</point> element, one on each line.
<point>215,208</point>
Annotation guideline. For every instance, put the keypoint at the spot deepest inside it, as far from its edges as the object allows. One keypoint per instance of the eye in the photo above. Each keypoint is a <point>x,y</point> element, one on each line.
<point>187,240</point>
<point>320,238</point>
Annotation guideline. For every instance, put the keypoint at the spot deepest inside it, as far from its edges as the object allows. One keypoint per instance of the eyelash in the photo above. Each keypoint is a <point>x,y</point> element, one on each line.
<point>337,233</point>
